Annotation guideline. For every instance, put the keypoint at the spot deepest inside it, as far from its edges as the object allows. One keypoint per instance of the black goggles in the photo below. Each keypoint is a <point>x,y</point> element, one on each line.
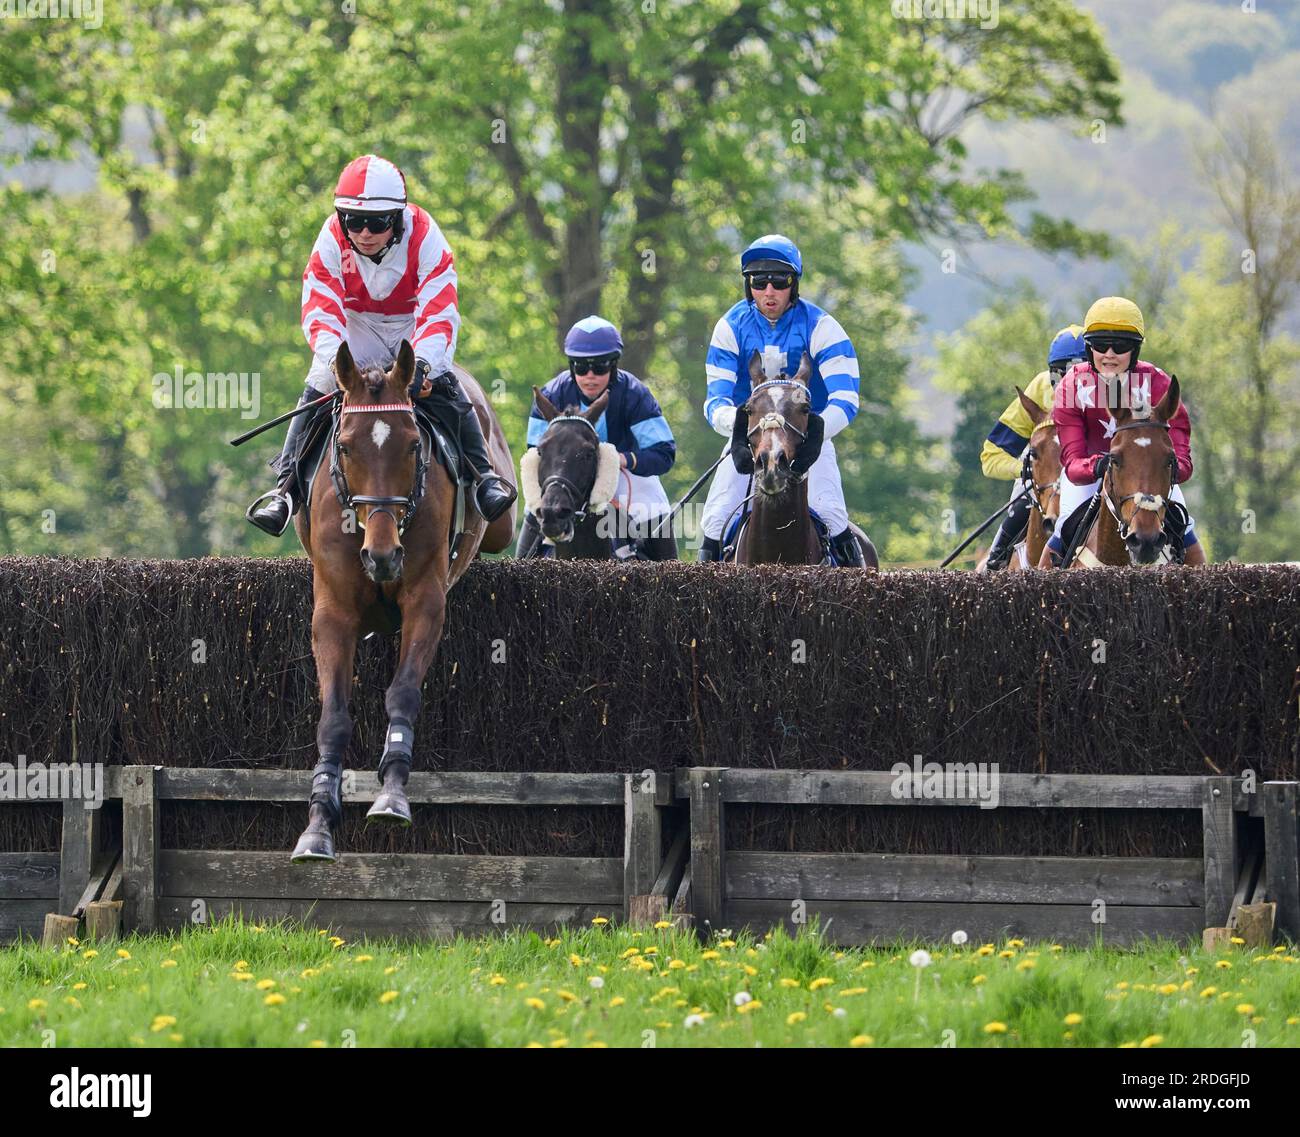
<point>1103,344</point>
<point>599,366</point>
<point>760,280</point>
<point>375,222</point>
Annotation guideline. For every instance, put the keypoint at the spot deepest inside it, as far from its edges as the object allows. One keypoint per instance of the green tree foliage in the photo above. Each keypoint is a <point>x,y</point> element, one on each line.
<point>582,155</point>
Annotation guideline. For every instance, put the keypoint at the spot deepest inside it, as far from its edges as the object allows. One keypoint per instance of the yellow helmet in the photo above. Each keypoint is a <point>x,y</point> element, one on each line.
<point>1114,314</point>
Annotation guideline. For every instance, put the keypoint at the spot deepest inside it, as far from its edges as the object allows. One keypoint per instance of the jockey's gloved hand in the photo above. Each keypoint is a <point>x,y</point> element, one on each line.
<point>811,447</point>
<point>1099,467</point>
<point>723,420</point>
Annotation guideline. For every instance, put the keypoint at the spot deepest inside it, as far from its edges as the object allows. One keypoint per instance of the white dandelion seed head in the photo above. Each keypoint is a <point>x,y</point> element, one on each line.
<point>919,958</point>
<point>959,937</point>
<point>596,981</point>
<point>693,1020</point>
<point>740,998</point>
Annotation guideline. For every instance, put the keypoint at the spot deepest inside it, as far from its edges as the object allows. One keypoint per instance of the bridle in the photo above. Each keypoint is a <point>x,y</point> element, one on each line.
<point>1032,488</point>
<point>1151,502</point>
<point>349,500</point>
<point>578,498</point>
<point>774,420</point>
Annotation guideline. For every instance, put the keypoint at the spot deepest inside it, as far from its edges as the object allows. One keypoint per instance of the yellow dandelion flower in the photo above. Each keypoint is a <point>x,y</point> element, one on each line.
<point>1222,964</point>
<point>1152,1040</point>
<point>1056,947</point>
<point>818,984</point>
<point>1015,943</point>
<point>630,953</point>
<point>617,1001</point>
<point>1293,1021</point>
<point>676,964</point>
<point>534,1002</point>
<point>726,943</point>
<point>274,999</point>
<point>600,921</point>
<point>364,958</point>
<point>978,980</point>
<point>711,955</point>
<point>1073,1019</point>
<point>558,1043</point>
<point>265,984</point>
<point>1026,965</point>
<point>89,953</point>
<point>1167,988</point>
<point>794,1017</point>
<point>122,953</point>
<point>651,951</point>
<point>850,991</point>
<point>1245,1008</point>
<point>1007,954</point>
<point>1236,940</point>
<point>995,1028</point>
<point>36,1004</point>
<point>498,981</point>
<point>861,1040</point>
<point>1208,992</point>
<point>317,1044</point>
<point>662,924</point>
<point>72,1001</point>
<point>388,996</point>
<point>789,983</point>
<point>985,949</point>
<point>162,1022</point>
<point>753,971</point>
<point>866,963</point>
<point>752,1005</point>
<point>168,963</point>
<point>80,986</point>
<point>1128,1045</point>
<point>567,996</point>
<point>1122,985</point>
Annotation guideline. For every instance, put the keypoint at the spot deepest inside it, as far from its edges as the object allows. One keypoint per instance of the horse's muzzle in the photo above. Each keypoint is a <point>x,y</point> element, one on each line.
<point>382,567</point>
<point>557,524</point>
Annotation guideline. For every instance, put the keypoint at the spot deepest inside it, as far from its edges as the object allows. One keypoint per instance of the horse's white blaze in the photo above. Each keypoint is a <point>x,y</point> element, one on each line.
<point>1141,442</point>
<point>380,432</point>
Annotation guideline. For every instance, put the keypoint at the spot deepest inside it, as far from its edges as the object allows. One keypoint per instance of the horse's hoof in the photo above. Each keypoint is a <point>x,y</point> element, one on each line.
<point>314,845</point>
<point>390,807</point>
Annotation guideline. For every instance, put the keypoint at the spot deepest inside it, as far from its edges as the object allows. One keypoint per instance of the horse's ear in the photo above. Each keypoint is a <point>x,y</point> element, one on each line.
<point>1032,409</point>
<point>1168,406</point>
<point>403,372</point>
<point>544,405</point>
<point>756,373</point>
<point>592,413</point>
<point>805,370</point>
<point>345,369</point>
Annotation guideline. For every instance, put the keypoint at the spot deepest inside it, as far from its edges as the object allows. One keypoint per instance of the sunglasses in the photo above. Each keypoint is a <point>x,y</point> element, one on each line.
<point>375,222</point>
<point>598,366</point>
<point>760,280</point>
<point>1119,347</point>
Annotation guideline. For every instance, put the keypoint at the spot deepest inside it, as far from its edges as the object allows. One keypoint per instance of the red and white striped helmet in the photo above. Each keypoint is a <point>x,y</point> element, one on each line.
<point>370,184</point>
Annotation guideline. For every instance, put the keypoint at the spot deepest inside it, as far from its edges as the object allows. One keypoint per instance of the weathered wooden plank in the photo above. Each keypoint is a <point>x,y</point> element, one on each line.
<point>670,874</point>
<point>1006,880</point>
<point>208,874</point>
<point>423,788</point>
<point>681,907</point>
<point>107,862</point>
<point>877,787</point>
<point>707,847</point>
<point>24,918</point>
<point>140,848</point>
<point>1282,855</point>
<point>382,918</point>
<point>884,921</point>
<point>103,919</point>
<point>78,847</point>
<point>642,841</point>
<point>29,876</point>
<point>1219,849</point>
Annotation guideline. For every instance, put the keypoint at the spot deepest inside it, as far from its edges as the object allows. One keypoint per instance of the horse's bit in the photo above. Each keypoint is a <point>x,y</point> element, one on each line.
<point>773,420</point>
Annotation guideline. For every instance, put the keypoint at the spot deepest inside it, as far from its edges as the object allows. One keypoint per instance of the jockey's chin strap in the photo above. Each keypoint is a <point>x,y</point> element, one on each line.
<point>773,420</point>
<point>378,504</point>
<point>1151,502</point>
<point>580,499</point>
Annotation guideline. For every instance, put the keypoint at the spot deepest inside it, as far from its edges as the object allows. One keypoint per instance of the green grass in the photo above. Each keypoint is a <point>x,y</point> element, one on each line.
<point>619,987</point>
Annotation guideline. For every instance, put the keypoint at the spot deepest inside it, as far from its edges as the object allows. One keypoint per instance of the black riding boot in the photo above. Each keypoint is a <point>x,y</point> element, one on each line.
<point>710,550</point>
<point>493,495</point>
<point>283,501</point>
<point>847,550</point>
<point>1009,532</point>
<point>530,539</point>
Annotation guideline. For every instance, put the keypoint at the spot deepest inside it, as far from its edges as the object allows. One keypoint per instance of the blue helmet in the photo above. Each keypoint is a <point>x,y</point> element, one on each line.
<point>1067,347</point>
<point>592,337</point>
<point>773,247</point>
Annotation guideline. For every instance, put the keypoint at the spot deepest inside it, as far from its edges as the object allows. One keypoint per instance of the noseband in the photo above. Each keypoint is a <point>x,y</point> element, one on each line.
<point>349,500</point>
<point>579,499</point>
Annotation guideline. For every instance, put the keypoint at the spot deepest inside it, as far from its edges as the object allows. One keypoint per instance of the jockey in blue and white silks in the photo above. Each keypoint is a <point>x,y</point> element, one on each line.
<point>774,321</point>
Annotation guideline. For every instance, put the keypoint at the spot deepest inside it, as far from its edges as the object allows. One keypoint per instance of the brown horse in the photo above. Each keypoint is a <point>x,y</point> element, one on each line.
<point>379,542</point>
<point>1130,526</point>
<point>780,527</point>
<point>1044,459</point>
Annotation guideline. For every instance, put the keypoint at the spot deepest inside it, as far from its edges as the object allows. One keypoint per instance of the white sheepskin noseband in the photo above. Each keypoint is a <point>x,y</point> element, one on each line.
<point>602,491</point>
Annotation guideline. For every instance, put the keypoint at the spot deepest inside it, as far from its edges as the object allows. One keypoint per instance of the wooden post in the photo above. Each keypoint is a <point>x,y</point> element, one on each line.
<point>77,851</point>
<point>1255,924</point>
<point>103,919</point>
<point>641,844</point>
<point>708,849</point>
<point>58,929</point>
<point>1282,855</point>
<point>140,847</point>
<point>1219,848</point>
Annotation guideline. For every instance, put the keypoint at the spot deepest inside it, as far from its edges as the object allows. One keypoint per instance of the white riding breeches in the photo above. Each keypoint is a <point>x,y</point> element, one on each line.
<point>373,339</point>
<point>825,494</point>
<point>647,500</point>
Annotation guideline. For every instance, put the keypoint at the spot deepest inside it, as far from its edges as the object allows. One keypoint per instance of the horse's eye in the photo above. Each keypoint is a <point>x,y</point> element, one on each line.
<point>1033,454</point>
<point>415,446</point>
<point>345,451</point>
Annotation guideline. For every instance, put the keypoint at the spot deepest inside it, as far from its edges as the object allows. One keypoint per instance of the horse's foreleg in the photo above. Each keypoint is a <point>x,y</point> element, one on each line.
<point>334,642</point>
<point>422,617</point>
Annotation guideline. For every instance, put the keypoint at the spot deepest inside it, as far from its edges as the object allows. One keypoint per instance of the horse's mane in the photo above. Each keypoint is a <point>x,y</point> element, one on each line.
<point>374,378</point>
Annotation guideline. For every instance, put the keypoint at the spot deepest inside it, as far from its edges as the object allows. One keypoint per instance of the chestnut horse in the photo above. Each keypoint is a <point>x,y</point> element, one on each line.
<point>1130,527</point>
<point>379,543</point>
<point>782,448</point>
<point>1043,459</point>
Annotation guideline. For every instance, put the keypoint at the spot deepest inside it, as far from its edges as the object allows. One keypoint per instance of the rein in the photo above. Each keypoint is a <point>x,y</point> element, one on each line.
<point>379,504</point>
<point>1151,502</point>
